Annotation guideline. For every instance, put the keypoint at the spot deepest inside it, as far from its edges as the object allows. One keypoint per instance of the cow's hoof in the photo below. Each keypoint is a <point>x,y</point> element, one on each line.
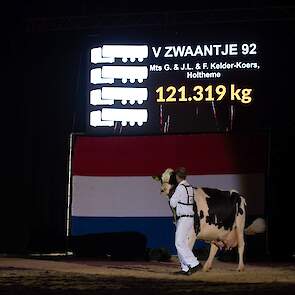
<point>206,269</point>
<point>241,269</point>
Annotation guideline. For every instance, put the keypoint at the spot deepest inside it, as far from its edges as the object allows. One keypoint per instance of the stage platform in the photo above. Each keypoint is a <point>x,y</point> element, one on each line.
<point>69,275</point>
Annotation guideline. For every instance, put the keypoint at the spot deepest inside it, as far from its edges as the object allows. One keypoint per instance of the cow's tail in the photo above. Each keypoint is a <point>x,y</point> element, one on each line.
<point>258,226</point>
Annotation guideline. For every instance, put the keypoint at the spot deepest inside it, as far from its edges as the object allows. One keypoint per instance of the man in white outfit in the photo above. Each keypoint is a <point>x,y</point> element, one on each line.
<point>182,200</point>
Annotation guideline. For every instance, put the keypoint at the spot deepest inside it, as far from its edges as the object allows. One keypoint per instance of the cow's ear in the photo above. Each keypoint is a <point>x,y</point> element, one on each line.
<point>157,177</point>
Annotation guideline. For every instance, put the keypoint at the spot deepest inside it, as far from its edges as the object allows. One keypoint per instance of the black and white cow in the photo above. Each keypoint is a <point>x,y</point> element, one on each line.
<point>219,218</point>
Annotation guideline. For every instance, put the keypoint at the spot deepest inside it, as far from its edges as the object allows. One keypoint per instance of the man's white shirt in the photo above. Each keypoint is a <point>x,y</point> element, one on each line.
<point>180,199</point>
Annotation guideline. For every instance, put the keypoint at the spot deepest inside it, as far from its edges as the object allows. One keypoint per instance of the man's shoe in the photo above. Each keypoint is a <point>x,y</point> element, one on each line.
<point>196,268</point>
<point>182,272</point>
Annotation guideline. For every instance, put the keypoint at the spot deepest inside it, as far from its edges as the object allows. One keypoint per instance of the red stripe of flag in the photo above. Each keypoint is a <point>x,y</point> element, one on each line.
<point>201,154</point>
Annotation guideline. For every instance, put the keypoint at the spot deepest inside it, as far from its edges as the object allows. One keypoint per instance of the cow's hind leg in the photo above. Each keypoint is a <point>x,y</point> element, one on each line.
<point>241,247</point>
<point>240,225</point>
<point>213,251</point>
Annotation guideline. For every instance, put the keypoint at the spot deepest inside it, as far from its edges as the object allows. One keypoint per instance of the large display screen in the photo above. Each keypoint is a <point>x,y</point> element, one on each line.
<point>162,86</point>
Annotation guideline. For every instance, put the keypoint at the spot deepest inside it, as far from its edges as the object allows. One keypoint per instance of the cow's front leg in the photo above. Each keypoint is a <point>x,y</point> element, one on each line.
<point>192,239</point>
<point>213,251</point>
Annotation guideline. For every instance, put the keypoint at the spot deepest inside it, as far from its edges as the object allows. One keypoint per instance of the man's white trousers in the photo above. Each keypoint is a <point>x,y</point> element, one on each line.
<point>184,228</point>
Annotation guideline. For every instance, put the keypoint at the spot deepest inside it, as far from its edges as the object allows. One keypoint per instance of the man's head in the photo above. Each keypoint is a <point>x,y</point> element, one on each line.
<point>180,174</point>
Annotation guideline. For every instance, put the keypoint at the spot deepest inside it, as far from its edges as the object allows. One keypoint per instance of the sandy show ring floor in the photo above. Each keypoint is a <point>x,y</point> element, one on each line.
<point>36,276</point>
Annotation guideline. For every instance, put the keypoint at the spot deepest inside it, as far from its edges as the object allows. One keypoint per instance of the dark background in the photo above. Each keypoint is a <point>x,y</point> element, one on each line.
<point>42,103</point>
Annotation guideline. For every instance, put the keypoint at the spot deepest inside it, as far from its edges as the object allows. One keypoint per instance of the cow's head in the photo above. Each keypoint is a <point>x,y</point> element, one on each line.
<point>168,182</point>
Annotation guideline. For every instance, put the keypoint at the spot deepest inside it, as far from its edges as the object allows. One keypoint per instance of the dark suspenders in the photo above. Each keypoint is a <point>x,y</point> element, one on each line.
<point>188,196</point>
<point>188,201</point>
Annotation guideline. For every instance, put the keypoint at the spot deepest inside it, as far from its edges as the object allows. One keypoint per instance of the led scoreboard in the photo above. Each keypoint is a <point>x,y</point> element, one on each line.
<point>144,88</point>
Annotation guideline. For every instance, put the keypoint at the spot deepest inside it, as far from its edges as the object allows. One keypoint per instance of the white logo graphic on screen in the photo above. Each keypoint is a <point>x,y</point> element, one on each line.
<point>108,95</point>
<point>108,53</point>
<point>107,117</point>
<point>110,74</point>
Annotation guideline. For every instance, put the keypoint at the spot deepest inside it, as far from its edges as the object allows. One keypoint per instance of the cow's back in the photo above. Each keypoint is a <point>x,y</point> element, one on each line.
<point>217,212</point>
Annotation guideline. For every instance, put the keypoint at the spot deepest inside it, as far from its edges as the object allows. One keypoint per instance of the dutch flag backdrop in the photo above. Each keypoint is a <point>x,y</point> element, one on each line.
<point>113,189</point>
